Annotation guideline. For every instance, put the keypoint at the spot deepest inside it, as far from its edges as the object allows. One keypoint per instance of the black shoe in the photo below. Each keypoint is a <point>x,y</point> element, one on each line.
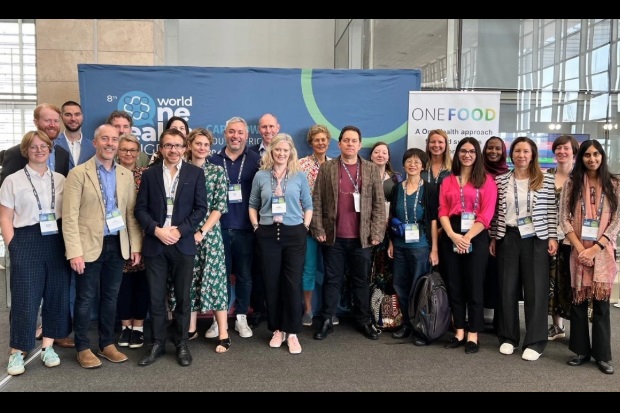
<point>137,339</point>
<point>257,318</point>
<point>123,340</point>
<point>605,367</point>
<point>455,342</point>
<point>325,328</point>
<point>471,347</point>
<point>369,331</point>
<point>184,358</point>
<point>157,350</point>
<point>417,341</point>
<point>578,360</point>
<point>404,332</point>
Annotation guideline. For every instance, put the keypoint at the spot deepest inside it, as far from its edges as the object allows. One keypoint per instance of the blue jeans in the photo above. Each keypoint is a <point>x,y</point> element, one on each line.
<point>239,253</point>
<point>409,265</point>
<point>105,274</point>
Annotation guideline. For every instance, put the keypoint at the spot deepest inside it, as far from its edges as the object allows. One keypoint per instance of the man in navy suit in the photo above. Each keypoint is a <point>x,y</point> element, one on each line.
<point>171,203</point>
<point>71,139</point>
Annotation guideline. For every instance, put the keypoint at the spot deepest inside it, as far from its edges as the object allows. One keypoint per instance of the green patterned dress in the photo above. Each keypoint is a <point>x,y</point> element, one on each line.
<point>208,291</point>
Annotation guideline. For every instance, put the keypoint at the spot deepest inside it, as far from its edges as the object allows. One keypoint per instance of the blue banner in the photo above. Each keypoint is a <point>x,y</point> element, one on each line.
<point>376,101</point>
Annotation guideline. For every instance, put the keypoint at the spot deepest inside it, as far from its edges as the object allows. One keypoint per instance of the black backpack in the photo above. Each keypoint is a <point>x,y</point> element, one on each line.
<point>429,309</point>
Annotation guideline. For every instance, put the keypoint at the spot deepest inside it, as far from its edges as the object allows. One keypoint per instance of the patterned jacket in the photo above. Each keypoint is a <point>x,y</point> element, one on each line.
<point>544,211</point>
<point>372,203</point>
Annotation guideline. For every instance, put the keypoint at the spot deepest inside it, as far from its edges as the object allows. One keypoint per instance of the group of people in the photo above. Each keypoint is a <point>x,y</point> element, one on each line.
<point>168,237</point>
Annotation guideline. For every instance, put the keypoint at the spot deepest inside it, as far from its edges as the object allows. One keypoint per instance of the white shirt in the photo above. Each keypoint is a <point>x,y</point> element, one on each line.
<point>75,148</point>
<point>16,193</point>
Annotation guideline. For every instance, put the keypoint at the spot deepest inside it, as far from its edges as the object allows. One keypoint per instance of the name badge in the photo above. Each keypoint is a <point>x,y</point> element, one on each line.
<point>526,227</point>
<point>356,201</point>
<point>412,233</point>
<point>114,220</point>
<point>278,207</point>
<point>467,221</point>
<point>589,229</point>
<point>234,193</point>
<point>48,224</point>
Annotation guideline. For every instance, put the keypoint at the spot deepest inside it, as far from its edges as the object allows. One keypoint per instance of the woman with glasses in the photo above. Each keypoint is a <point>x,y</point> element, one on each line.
<point>524,235</point>
<point>414,203</point>
<point>133,296</point>
<point>30,220</point>
<point>589,218</point>
<point>466,205</point>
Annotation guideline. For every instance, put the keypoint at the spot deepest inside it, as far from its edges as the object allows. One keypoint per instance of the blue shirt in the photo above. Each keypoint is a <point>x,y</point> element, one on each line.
<point>296,194</point>
<point>418,218</point>
<point>107,180</point>
<point>237,216</point>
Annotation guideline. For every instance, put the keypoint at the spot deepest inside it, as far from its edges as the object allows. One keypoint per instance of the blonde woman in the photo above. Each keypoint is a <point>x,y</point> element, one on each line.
<point>280,210</point>
<point>438,151</point>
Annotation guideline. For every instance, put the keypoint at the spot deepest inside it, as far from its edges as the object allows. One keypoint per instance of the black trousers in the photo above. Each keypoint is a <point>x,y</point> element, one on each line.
<point>523,264</point>
<point>180,268</point>
<point>283,253</point>
<point>464,276</point>
<point>346,253</point>
<point>579,342</point>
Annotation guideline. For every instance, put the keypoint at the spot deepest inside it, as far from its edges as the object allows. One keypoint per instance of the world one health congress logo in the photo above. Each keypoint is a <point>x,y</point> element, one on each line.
<point>141,106</point>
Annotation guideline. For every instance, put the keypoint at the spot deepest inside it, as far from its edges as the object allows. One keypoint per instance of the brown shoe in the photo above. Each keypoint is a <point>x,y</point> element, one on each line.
<point>88,360</point>
<point>111,353</point>
<point>66,342</point>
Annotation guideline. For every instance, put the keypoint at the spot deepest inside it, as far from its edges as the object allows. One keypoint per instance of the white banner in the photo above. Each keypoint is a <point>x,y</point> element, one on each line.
<point>460,114</point>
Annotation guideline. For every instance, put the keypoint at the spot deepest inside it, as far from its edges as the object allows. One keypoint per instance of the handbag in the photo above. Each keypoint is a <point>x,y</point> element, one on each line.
<point>385,309</point>
<point>397,228</point>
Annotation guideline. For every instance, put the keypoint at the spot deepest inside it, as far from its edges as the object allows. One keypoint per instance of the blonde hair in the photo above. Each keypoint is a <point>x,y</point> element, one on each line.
<point>447,159</point>
<point>29,137</point>
<point>293,162</point>
<point>128,137</point>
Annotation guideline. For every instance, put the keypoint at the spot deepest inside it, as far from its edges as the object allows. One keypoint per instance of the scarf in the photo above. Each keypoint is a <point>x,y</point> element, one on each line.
<point>596,281</point>
<point>495,168</point>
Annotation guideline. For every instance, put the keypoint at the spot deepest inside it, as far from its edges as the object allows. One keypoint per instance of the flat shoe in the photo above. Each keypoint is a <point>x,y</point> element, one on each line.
<point>471,347</point>
<point>455,342</point>
<point>192,335</point>
<point>39,333</point>
<point>224,343</point>
<point>605,367</point>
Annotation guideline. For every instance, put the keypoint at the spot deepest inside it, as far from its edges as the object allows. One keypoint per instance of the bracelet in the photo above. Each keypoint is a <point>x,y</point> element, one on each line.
<point>599,244</point>
<point>204,233</point>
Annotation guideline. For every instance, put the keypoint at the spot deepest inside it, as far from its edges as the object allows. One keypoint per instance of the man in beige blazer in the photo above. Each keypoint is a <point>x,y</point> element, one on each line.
<point>100,233</point>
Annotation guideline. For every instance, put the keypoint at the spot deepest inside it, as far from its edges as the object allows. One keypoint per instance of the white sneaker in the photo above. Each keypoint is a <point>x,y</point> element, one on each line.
<point>241,325</point>
<point>277,339</point>
<point>617,305</point>
<point>16,364</point>
<point>293,344</point>
<point>213,331</point>
<point>530,355</point>
<point>506,348</point>
<point>49,357</point>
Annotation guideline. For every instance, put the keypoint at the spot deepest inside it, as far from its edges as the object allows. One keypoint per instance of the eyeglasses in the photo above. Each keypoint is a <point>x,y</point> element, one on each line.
<point>412,162</point>
<point>129,151</point>
<point>466,152</point>
<point>175,146</point>
<point>42,148</point>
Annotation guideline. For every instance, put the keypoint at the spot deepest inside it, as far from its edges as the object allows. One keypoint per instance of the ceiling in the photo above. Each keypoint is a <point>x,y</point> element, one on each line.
<point>408,43</point>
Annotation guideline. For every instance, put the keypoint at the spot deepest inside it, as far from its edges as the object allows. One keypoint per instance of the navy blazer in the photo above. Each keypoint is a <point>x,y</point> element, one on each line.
<point>190,207</point>
<point>13,161</point>
<point>87,149</point>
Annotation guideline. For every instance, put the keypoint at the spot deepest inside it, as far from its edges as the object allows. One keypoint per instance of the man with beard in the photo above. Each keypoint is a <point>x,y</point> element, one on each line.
<point>47,119</point>
<point>71,139</point>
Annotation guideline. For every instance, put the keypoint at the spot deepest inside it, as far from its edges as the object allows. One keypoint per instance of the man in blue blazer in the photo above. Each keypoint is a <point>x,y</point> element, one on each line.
<point>171,203</point>
<point>81,149</point>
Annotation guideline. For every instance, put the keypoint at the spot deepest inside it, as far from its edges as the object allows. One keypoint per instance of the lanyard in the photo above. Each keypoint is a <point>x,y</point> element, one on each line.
<point>274,181</point>
<point>415,202</point>
<point>174,185</point>
<point>240,170</point>
<point>517,196</point>
<point>430,174</point>
<point>35,191</point>
<point>599,212</point>
<point>103,194</point>
<point>357,175</point>
<point>463,197</point>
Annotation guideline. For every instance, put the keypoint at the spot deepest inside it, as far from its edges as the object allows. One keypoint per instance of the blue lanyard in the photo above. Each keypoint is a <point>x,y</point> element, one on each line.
<point>415,202</point>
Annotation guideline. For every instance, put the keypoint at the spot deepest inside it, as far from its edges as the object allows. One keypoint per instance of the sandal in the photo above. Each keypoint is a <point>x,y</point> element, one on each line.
<point>225,343</point>
<point>39,333</point>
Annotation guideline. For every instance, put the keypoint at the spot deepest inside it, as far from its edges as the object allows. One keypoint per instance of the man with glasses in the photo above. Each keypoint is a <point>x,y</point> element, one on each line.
<point>172,201</point>
<point>100,233</point>
<point>71,139</point>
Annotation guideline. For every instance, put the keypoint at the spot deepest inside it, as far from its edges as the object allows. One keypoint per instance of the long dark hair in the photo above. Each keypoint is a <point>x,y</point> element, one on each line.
<point>478,174</point>
<point>388,166</point>
<point>606,177</point>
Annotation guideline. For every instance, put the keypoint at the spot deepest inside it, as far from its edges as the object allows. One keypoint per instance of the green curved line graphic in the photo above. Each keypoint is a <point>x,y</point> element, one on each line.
<point>319,118</point>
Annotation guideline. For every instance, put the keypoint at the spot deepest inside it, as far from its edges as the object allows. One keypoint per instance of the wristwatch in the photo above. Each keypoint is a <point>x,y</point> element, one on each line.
<point>204,233</point>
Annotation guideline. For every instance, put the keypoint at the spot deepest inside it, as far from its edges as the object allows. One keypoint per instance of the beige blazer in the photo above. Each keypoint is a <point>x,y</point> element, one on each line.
<point>83,212</point>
